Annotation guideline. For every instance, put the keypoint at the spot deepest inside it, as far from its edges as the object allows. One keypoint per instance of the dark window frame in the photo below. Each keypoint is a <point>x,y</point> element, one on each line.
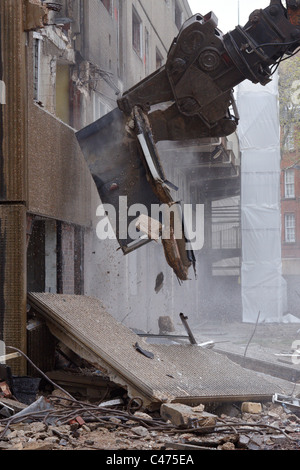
<point>136,32</point>
<point>108,5</point>
<point>288,228</point>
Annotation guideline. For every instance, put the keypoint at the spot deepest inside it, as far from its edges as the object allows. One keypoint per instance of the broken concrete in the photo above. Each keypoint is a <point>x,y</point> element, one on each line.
<point>119,430</point>
<point>13,404</point>
<point>57,421</point>
<point>185,416</point>
<point>254,408</point>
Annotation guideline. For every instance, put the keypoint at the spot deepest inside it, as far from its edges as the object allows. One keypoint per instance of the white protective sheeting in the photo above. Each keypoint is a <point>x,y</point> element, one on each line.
<point>263,288</point>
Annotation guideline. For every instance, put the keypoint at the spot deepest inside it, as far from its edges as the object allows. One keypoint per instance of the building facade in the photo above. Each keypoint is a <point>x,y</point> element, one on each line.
<point>290,179</point>
<point>290,191</point>
<point>110,45</point>
<point>63,65</point>
<point>290,220</point>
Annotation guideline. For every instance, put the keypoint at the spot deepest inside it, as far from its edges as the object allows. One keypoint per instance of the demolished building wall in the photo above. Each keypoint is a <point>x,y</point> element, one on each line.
<point>140,287</point>
<point>62,81</point>
<point>42,170</point>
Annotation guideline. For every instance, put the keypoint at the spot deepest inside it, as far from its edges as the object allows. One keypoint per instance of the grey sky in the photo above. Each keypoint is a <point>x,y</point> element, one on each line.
<point>227,10</point>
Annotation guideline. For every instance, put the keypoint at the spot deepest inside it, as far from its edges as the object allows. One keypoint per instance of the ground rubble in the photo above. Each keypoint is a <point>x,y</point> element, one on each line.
<point>56,418</point>
<point>63,423</point>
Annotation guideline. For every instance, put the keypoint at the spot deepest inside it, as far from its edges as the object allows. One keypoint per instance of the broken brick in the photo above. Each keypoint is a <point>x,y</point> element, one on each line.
<point>4,390</point>
<point>77,420</point>
<point>250,407</point>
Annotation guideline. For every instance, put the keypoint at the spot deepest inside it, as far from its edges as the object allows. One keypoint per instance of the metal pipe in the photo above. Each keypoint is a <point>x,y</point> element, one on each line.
<point>188,330</point>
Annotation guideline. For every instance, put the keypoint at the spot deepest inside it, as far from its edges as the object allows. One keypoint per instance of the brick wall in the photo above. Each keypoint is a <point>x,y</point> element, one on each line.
<point>290,206</point>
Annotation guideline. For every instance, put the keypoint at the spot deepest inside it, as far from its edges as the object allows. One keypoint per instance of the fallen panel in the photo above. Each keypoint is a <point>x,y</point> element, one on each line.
<point>175,373</point>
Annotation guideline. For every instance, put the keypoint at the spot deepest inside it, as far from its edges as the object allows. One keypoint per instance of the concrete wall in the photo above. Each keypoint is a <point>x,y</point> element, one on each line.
<point>59,180</point>
<point>139,288</point>
<point>129,285</point>
<point>158,18</point>
<point>112,64</point>
<point>50,256</point>
<point>67,261</point>
<point>101,36</point>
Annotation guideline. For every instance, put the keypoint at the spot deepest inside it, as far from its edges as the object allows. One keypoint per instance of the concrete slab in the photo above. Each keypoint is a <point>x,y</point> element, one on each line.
<point>157,373</point>
<point>265,348</point>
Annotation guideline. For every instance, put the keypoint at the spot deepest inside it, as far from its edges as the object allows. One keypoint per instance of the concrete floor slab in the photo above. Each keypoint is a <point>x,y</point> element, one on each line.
<point>157,373</point>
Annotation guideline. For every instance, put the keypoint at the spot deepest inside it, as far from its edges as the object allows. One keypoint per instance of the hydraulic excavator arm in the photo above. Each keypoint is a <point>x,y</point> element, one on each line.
<point>190,97</point>
<point>203,67</point>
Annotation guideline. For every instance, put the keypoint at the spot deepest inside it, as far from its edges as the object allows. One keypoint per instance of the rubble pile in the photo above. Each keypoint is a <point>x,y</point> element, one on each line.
<point>58,422</point>
<point>82,409</point>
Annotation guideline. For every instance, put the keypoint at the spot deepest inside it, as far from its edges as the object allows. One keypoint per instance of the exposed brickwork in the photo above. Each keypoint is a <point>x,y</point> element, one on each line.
<point>290,206</point>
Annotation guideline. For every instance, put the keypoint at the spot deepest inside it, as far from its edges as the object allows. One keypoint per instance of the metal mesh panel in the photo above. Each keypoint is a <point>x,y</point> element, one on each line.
<point>185,373</point>
<point>13,280</point>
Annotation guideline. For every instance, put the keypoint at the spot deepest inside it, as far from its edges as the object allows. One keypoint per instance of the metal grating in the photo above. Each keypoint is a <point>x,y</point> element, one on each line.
<point>182,373</point>
<point>13,280</point>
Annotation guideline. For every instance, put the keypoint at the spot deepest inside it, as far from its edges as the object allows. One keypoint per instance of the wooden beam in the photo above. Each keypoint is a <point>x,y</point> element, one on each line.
<point>8,357</point>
